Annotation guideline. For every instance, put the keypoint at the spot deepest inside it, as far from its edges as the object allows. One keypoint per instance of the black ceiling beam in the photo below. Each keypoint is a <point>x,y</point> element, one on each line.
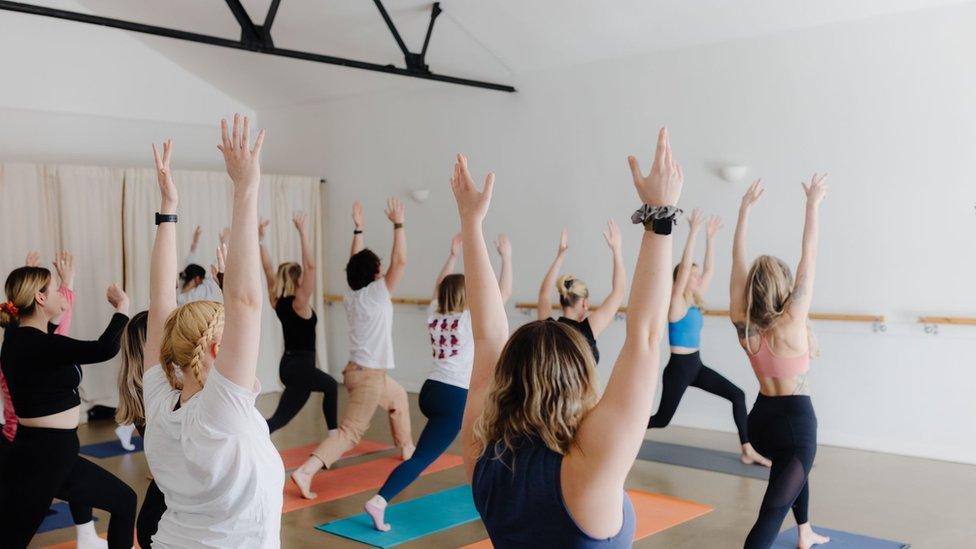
<point>249,31</point>
<point>415,61</point>
<point>267,49</point>
<point>391,26</point>
<point>434,12</point>
<point>270,17</point>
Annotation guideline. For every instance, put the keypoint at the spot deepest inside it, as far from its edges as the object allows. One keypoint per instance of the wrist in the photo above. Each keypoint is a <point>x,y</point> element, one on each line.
<point>168,207</point>
<point>813,206</point>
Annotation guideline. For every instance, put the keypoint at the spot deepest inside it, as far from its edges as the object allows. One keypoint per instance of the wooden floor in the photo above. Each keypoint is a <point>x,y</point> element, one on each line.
<point>923,502</point>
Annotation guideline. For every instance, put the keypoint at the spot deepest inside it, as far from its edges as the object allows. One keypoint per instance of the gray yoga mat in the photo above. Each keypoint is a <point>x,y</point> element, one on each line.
<point>700,458</point>
<point>839,540</point>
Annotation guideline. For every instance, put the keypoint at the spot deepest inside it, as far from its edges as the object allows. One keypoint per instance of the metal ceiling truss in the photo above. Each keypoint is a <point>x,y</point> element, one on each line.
<point>257,38</point>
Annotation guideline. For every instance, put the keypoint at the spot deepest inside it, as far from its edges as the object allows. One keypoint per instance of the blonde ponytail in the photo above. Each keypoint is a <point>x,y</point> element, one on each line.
<point>571,290</point>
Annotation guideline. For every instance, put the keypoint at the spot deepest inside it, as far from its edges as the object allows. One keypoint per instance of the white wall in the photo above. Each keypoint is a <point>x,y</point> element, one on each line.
<point>884,105</point>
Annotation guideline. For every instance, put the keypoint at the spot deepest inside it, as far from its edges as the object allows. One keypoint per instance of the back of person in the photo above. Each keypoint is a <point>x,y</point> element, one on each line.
<point>452,346</point>
<point>520,500</point>
<point>780,358</point>
<point>586,331</point>
<point>369,311</point>
<point>299,333</point>
<point>215,462</point>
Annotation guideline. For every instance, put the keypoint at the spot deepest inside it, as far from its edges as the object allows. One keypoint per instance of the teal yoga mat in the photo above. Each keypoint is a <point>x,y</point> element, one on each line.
<point>411,519</point>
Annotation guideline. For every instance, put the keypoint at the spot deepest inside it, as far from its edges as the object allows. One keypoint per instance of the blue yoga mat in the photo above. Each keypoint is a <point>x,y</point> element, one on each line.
<point>839,540</point>
<point>411,519</point>
<point>111,448</point>
<point>57,518</point>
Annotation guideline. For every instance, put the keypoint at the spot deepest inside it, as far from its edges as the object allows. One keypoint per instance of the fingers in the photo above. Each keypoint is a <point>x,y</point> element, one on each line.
<point>225,144</point>
<point>167,152</point>
<point>635,170</point>
<point>236,134</point>
<point>258,143</point>
<point>246,135</point>
<point>662,145</point>
<point>489,185</point>
<point>158,160</point>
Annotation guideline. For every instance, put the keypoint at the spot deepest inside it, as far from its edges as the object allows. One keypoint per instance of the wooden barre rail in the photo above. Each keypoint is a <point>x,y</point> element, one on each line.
<point>836,317</point>
<point>957,320</point>
<point>333,298</point>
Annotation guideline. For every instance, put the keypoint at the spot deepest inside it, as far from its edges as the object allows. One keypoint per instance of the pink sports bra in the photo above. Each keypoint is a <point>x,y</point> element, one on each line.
<point>766,364</point>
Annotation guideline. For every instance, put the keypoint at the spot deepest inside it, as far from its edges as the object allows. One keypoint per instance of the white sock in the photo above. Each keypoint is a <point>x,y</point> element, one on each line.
<point>333,432</point>
<point>124,432</point>
<point>88,537</point>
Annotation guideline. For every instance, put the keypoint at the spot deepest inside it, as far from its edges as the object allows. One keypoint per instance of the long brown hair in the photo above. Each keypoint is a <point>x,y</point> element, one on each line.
<point>131,409</point>
<point>450,295</point>
<point>22,287</point>
<point>187,333</point>
<point>545,383</point>
<point>768,295</point>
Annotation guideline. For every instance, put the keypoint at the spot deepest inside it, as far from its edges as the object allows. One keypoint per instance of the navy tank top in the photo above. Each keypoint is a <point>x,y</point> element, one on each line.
<point>520,500</point>
<point>587,333</point>
<point>299,332</point>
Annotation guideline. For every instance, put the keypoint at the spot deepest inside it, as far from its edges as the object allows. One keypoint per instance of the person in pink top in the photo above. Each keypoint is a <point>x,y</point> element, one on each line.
<point>770,310</point>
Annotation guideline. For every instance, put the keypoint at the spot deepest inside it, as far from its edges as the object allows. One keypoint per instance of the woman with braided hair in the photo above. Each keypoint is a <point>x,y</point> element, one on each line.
<point>574,296</point>
<point>207,445</point>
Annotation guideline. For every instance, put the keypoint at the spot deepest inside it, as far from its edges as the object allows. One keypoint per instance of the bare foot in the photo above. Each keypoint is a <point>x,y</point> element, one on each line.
<point>750,456</point>
<point>406,452</point>
<point>376,508</point>
<point>808,538</point>
<point>303,476</point>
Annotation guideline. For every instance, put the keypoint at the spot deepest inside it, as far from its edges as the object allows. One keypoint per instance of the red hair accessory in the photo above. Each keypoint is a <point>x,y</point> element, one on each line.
<point>9,308</point>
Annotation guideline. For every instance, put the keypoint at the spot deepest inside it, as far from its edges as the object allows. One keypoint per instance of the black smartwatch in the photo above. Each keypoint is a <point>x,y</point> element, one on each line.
<point>661,226</point>
<point>165,218</point>
<point>357,231</point>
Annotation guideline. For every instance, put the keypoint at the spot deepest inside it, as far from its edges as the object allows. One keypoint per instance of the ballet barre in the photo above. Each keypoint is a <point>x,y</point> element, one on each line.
<point>931,323</point>
<point>334,298</point>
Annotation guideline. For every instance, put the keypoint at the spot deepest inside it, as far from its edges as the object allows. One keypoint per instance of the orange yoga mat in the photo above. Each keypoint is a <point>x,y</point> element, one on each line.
<point>345,481</point>
<point>293,457</point>
<point>655,513</point>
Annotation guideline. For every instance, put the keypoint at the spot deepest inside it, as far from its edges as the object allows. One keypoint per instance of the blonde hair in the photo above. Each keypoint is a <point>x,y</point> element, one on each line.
<point>450,295</point>
<point>287,279</point>
<point>692,297</point>
<point>545,383</point>
<point>768,294</point>
<point>21,288</point>
<point>571,290</point>
<point>186,335</point>
<point>131,409</point>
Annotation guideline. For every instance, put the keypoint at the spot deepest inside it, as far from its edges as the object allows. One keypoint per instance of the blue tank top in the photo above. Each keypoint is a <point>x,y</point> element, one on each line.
<point>521,503</point>
<point>687,331</point>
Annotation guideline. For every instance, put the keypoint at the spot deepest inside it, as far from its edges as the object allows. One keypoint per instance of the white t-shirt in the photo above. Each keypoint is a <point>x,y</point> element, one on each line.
<point>208,290</point>
<point>452,345</point>
<point>370,315</point>
<point>214,461</point>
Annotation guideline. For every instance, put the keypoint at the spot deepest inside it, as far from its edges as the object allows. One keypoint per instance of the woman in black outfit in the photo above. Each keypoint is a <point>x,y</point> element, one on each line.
<point>574,296</point>
<point>291,291</point>
<point>43,373</point>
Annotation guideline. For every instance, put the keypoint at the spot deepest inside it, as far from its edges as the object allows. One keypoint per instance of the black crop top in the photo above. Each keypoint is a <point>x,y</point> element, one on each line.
<point>299,332</point>
<point>42,369</point>
<point>587,333</point>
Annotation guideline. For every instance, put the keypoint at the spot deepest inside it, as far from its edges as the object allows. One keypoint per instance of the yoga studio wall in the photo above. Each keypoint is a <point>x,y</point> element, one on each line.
<point>884,105</point>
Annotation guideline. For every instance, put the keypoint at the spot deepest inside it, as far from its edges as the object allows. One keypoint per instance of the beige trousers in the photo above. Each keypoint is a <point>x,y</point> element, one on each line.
<point>368,389</point>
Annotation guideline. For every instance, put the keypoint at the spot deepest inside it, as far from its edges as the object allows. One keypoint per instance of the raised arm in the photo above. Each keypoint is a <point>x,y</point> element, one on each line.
<point>802,295</point>
<point>162,264</point>
<point>398,257</point>
<point>64,266</point>
<point>604,314</point>
<point>449,264</point>
<point>266,265</point>
<point>358,243</point>
<point>684,268</point>
<point>712,228</point>
<point>238,358</point>
<point>544,306</point>
<point>504,247</point>
<point>489,323</point>
<point>101,349</point>
<point>303,296</point>
<point>611,434</point>
<point>740,268</point>
<point>194,245</point>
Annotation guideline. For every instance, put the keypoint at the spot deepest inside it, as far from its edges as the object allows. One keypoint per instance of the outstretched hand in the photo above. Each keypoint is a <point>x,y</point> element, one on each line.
<point>394,210</point>
<point>117,299</point>
<point>300,219</point>
<point>263,228</point>
<point>752,194</point>
<point>472,204</point>
<point>456,245</point>
<point>503,245</point>
<point>221,261</point>
<point>64,265</point>
<point>164,177</point>
<point>612,235</point>
<point>197,231</point>
<point>33,259</point>
<point>816,190</point>
<point>357,215</point>
<point>714,226</point>
<point>662,186</point>
<point>224,235</point>
<point>695,220</point>
<point>243,161</point>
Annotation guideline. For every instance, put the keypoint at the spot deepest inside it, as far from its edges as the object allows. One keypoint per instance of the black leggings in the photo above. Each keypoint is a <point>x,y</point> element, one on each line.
<point>152,510</point>
<point>300,377</point>
<point>44,464</point>
<point>685,370</point>
<point>784,429</point>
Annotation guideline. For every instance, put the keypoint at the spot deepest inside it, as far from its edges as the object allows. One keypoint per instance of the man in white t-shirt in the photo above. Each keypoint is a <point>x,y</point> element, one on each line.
<point>369,311</point>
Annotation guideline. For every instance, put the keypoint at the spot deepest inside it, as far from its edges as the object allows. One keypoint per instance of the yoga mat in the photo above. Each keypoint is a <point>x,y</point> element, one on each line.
<point>411,520</point>
<point>293,457</point>
<point>111,448</point>
<point>338,483</point>
<point>60,518</point>
<point>839,540</point>
<point>700,458</point>
<point>74,544</point>
<point>655,513</point>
